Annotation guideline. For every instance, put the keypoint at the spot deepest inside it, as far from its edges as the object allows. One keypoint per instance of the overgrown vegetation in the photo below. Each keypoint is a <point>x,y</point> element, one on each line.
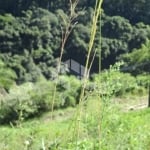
<point>119,130</point>
<point>35,37</point>
<point>29,100</point>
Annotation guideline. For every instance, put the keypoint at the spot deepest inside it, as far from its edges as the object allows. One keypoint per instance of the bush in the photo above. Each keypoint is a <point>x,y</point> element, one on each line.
<point>29,100</point>
<point>7,76</point>
<point>118,83</point>
<point>142,80</point>
<point>69,101</point>
<point>63,84</point>
<point>17,104</point>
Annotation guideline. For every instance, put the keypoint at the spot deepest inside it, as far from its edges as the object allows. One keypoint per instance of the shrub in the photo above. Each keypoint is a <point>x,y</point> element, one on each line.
<point>63,84</point>
<point>7,76</point>
<point>29,100</point>
<point>69,101</point>
<point>142,80</point>
<point>17,104</point>
<point>117,83</point>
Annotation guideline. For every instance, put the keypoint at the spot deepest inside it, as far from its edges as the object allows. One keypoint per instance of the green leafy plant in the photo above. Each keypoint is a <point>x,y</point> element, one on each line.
<point>7,76</point>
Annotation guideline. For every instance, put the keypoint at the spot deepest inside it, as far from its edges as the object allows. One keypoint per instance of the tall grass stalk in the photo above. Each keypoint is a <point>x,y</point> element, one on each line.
<point>91,43</point>
<point>100,116</point>
<point>96,15</point>
<point>65,34</point>
<point>43,145</point>
<point>69,25</point>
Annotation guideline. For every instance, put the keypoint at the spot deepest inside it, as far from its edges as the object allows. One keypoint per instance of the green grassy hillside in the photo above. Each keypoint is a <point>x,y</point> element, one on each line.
<point>108,128</point>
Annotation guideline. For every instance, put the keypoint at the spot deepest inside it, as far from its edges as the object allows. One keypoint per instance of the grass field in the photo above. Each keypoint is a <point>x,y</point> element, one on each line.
<point>118,130</point>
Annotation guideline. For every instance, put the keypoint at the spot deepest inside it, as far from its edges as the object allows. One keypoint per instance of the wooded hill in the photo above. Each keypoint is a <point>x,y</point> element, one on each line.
<point>31,35</point>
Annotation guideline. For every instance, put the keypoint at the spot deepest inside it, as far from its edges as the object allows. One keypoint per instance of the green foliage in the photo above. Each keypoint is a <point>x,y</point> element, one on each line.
<point>135,11</point>
<point>126,125</point>
<point>29,45</point>
<point>118,83</point>
<point>121,37</point>
<point>126,8</point>
<point>35,27</point>
<point>79,40</point>
<point>116,27</point>
<point>137,62</point>
<point>17,104</point>
<point>29,100</point>
<point>118,131</point>
<point>69,87</point>
<point>7,76</point>
<point>142,80</point>
<point>32,38</point>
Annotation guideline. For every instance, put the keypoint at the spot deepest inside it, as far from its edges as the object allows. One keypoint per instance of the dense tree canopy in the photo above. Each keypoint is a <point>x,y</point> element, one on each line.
<point>134,10</point>
<point>31,33</point>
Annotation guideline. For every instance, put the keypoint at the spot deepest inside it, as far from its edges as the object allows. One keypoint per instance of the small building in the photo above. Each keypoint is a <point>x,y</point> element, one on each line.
<point>75,68</point>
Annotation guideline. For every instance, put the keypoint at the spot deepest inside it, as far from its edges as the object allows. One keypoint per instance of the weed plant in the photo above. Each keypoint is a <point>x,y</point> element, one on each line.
<point>66,30</point>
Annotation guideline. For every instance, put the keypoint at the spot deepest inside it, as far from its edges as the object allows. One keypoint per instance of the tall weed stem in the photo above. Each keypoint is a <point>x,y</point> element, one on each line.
<point>69,25</point>
<point>96,15</point>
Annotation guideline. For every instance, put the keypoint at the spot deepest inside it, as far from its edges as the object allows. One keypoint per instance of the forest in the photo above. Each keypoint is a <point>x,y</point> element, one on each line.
<point>38,36</point>
<point>30,35</point>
